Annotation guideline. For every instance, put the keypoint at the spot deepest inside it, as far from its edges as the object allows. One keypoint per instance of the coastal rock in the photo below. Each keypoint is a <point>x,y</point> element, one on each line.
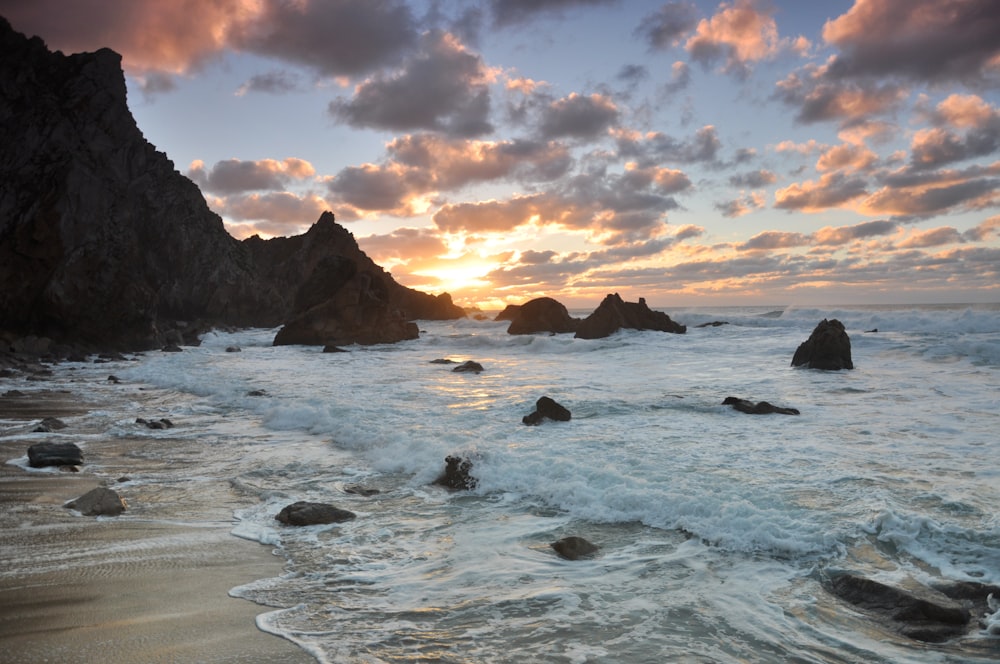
<point>923,615</point>
<point>468,367</point>
<point>509,312</point>
<point>334,349</point>
<point>49,424</point>
<point>304,513</point>
<point>41,455</point>
<point>442,360</point>
<point>759,408</point>
<point>574,548</point>
<point>714,323</point>
<point>98,502</point>
<point>546,407</point>
<point>162,423</point>
<point>542,314</point>
<point>359,490</point>
<point>103,243</point>
<point>828,348</point>
<point>233,349</point>
<point>457,474</point>
<point>614,314</point>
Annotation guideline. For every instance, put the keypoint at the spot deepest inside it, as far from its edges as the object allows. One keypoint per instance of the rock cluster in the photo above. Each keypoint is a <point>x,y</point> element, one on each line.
<point>614,314</point>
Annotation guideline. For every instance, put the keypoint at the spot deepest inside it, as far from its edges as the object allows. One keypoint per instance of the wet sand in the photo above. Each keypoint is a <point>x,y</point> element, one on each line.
<point>116,590</point>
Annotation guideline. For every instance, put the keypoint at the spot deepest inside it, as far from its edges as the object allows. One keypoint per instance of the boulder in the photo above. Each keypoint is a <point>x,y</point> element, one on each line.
<point>98,502</point>
<point>305,513</point>
<point>509,312</point>
<point>923,614</point>
<point>41,455</point>
<point>233,349</point>
<point>614,314</point>
<point>574,548</point>
<point>542,314</point>
<point>828,348</point>
<point>49,424</point>
<point>359,490</point>
<point>457,474</point>
<point>546,407</point>
<point>468,367</point>
<point>714,323</point>
<point>759,408</point>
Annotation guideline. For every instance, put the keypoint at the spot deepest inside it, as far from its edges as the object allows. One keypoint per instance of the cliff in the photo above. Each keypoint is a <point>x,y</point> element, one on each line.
<point>103,243</point>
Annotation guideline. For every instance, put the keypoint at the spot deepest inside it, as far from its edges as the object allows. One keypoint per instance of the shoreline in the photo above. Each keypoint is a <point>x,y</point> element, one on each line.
<point>117,590</point>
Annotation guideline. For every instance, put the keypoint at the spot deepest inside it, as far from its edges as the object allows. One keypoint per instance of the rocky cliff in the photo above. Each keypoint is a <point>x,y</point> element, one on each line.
<point>104,243</point>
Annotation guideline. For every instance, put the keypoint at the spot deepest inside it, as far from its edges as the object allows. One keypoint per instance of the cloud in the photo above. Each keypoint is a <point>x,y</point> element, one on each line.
<point>754,179</point>
<point>444,88</point>
<point>937,146</point>
<point>578,116</point>
<point>513,12</point>
<point>741,206</point>
<point>281,211</point>
<point>832,190</point>
<point>235,176</point>
<point>771,240</point>
<point>658,148</point>
<point>923,201</point>
<point>820,99</point>
<point>934,237</point>
<point>403,244</point>
<point>917,40</point>
<point>840,235</point>
<point>666,27</point>
<point>498,216</point>
<point>272,82</point>
<point>846,156</point>
<point>985,230</point>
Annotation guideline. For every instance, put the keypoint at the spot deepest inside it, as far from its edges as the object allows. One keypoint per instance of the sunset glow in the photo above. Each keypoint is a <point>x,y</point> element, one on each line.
<point>694,151</point>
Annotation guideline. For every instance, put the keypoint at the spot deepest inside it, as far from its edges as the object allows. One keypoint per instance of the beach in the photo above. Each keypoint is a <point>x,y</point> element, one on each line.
<point>116,590</point>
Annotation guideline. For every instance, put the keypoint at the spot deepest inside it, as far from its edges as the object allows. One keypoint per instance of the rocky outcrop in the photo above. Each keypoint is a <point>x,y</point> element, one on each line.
<point>542,314</point>
<point>104,244</point>
<point>457,474</point>
<point>828,347</point>
<point>546,407</point>
<point>42,455</point>
<point>304,513</point>
<point>98,502</point>
<point>614,314</point>
<point>509,312</point>
<point>759,408</point>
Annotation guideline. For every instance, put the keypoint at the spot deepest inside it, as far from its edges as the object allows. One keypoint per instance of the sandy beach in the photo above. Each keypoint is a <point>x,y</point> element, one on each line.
<point>116,590</point>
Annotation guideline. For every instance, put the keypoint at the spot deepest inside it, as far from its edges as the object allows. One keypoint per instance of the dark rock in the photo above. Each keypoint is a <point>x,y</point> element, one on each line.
<point>103,243</point>
<point>257,393</point>
<point>546,407</point>
<point>828,348</point>
<point>334,349</point>
<point>468,367</point>
<point>359,490</point>
<point>98,502</point>
<point>162,423</point>
<point>542,314</point>
<point>114,379</point>
<point>614,314</point>
<point>49,424</point>
<point>875,329</point>
<point>456,475</point>
<point>171,348</point>
<point>574,548</point>
<point>442,361</point>
<point>45,454</point>
<point>305,513</point>
<point>923,615</point>
<point>714,323</point>
<point>233,349</point>
<point>509,312</point>
<point>14,393</point>
<point>759,408</point>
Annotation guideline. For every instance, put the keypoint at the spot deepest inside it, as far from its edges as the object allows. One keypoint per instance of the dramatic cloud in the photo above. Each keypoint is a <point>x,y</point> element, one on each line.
<point>282,212</point>
<point>403,244</point>
<point>444,88</point>
<point>819,99</point>
<point>920,40</point>
<point>235,176</point>
<point>836,236</point>
<point>934,237</point>
<point>832,190</point>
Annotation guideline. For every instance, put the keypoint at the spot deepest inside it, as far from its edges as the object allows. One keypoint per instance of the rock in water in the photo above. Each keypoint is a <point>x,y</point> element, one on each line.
<point>759,408</point>
<point>41,455</point>
<point>828,347</point>
<point>469,366</point>
<point>547,407</point>
<point>457,474</point>
<point>542,314</point>
<point>98,502</point>
<point>614,314</point>
<point>574,548</point>
<point>304,513</point>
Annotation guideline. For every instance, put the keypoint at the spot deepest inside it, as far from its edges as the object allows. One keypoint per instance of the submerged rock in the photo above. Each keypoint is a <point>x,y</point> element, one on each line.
<point>614,314</point>
<point>49,424</point>
<point>468,367</point>
<point>41,455</point>
<point>304,513</point>
<point>574,548</point>
<point>827,348</point>
<point>759,408</point>
<point>546,407</point>
<point>98,502</point>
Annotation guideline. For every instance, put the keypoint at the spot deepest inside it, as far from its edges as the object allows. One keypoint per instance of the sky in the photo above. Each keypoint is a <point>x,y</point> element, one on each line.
<point>690,152</point>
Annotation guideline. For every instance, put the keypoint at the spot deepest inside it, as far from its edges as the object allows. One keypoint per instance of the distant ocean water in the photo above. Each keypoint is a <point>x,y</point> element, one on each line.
<point>715,528</point>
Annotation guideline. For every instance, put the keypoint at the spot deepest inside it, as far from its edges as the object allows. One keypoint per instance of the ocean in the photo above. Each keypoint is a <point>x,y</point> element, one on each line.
<point>716,529</point>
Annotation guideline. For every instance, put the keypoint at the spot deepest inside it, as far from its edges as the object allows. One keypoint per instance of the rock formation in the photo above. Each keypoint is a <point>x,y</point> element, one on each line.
<point>828,347</point>
<point>457,474</point>
<point>41,455</point>
<point>103,243</point>
<point>546,407</point>
<point>574,548</point>
<point>304,513</point>
<point>542,314</point>
<point>759,408</point>
<point>614,314</point>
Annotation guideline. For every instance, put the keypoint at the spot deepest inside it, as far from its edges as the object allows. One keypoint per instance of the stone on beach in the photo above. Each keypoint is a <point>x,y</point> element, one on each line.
<point>304,513</point>
<point>45,454</point>
<point>98,502</point>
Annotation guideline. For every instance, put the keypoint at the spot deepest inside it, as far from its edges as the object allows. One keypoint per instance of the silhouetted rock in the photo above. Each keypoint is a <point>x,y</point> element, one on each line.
<point>457,474</point>
<point>509,312</point>
<point>104,243</point>
<point>41,455</point>
<point>714,323</point>
<point>546,407</point>
<point>574,548</point>
<point>442,360</point>
<point>542,314</point>
<point>98,502</point>
<point>233,349</point>
<point>305,513</point>
<point>759,408</point>
<point>614,314</point>
<point>828,347</point>
<point>334,349</point>
<point>468,367</point>
<point>923,615</point>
